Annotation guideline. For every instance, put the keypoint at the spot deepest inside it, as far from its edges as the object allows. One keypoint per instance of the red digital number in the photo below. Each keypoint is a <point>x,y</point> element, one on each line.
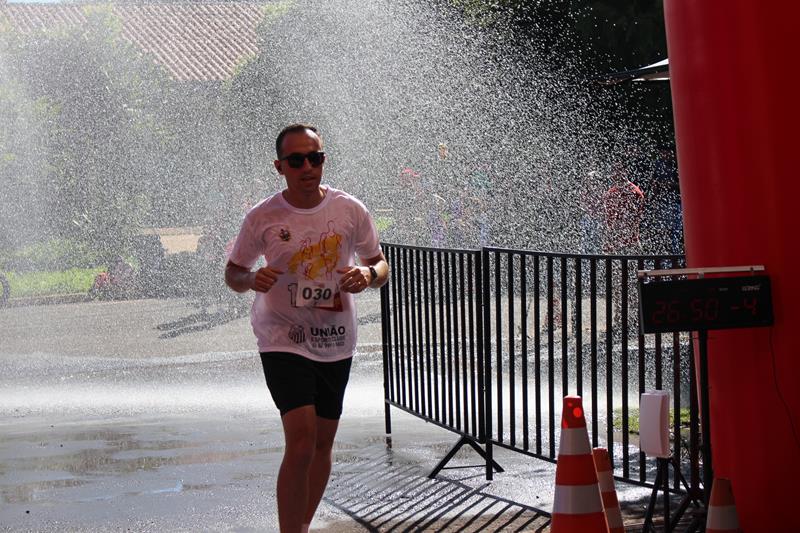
<point>697,309</point>
<point>704,310</point>
<point>669,312</point>
<point>673,311</point>
<point>660,313</point>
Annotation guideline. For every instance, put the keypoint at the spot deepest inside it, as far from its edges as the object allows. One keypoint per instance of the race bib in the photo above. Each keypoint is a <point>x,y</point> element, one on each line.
<point>312,293</point>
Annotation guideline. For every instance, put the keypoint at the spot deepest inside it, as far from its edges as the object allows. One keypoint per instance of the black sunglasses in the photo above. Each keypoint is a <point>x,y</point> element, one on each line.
<point>296,160</point>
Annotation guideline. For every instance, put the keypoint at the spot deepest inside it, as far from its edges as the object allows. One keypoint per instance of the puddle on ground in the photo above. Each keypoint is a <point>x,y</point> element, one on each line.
<point>28,492</point>
<point>179,486</point>
<point>82,457</point>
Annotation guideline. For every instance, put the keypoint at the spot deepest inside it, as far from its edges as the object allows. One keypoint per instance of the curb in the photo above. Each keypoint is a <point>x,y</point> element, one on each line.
<point>26,301</point>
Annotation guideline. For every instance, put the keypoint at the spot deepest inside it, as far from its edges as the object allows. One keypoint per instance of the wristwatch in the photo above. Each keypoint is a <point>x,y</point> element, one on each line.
<point>373,273</point>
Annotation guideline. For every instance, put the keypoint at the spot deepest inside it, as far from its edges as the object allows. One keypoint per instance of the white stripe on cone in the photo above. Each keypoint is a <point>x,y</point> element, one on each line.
<point>574,441</point>
<point>577,499</point>
<point>723,518</point>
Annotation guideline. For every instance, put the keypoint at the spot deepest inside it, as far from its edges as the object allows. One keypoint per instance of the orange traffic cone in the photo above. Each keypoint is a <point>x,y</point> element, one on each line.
<point>721,509</point>
<point>605,478</point>
<point>577,506</point>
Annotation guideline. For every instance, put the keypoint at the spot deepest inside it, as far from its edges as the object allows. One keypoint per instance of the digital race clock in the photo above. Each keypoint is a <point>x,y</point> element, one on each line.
<point>704,303</point>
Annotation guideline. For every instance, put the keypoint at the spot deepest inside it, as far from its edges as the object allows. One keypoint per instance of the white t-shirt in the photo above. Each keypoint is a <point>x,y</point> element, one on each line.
<point>304,312</point>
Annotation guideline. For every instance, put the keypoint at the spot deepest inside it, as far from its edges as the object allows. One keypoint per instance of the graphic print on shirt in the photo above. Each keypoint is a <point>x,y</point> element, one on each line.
<point>315,267</point>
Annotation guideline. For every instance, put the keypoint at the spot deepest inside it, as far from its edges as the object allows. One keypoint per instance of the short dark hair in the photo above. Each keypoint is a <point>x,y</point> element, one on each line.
<point>292,128</point>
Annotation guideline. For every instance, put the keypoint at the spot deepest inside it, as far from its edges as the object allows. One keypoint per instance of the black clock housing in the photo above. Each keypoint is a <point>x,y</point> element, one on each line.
<point>704,303</point>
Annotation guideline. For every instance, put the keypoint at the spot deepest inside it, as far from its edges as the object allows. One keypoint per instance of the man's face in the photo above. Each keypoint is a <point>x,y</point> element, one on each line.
<point>305,179</point>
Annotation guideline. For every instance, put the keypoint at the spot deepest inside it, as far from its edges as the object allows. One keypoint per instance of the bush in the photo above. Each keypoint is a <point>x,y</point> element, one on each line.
<point>52,255</point>
<point>633,419</point>
<point>72,281</point>
<point>383,223</point>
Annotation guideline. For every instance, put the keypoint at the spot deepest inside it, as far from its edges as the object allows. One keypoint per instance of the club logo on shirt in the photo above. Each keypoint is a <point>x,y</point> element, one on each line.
<point>284,234</point>
<point>328,331</point>
<point>297,334</point>
<point>327,337</point>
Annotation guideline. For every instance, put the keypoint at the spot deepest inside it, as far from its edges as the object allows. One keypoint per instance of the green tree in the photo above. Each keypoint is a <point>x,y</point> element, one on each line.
<point>593,37</point>
<point>24,174</point>
<point>607,33</point>
<point>93,165</point>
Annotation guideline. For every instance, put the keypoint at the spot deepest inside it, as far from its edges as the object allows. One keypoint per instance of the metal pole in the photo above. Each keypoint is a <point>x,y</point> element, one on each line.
<point>387,361</point>
<point>708,472</point>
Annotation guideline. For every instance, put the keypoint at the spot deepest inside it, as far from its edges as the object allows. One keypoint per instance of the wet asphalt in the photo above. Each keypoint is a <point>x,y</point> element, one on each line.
<point>152,415</point>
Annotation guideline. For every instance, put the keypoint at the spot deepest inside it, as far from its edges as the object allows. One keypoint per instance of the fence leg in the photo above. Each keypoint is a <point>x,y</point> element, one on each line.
<point>461,442</point>
<point>388,424</point>
<point>662,480</point>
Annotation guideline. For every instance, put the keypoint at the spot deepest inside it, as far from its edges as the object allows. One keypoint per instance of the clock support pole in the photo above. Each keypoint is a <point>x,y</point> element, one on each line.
<point>705,417</point>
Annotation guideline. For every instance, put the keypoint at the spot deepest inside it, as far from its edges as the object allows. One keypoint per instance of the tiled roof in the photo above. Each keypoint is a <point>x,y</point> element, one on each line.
<point>193,41</point>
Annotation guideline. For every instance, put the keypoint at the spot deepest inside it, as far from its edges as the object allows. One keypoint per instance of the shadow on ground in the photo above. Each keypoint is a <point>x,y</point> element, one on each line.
<point>203,320</point>
<point>384,491</point>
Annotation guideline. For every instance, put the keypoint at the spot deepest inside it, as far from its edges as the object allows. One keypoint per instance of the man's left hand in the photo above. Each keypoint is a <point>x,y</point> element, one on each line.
<point>354,278</point>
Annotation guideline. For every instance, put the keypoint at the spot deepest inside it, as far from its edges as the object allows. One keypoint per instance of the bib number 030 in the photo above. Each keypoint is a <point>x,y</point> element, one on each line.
<point>314,293</point>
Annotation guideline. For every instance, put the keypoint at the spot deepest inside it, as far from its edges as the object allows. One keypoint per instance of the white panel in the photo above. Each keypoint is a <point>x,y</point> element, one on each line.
<point>654,423</point>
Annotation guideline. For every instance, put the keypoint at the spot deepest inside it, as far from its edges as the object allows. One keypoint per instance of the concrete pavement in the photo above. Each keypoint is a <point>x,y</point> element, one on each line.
<point>152,415</point>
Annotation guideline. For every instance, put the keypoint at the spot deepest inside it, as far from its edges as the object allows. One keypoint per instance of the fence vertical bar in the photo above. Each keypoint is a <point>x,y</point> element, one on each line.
<point>593,341</point>
<point>411,366</point>
<point>499,346</point>
<point>659,354</point>
<point>442,337</point>
<point>551,425</point>
<point>487,361</point>
<point>418,331</point>
<point>579,326</point>
<point>448,335</point>
<point>386,348</point>
<point>414,344</point>
<point>642,384</point>
<point>659,359</point>
<point>436,338</point>
<point>624,364</point>
<point>473,288</point>
<point>676,402</point>
<point>563,323</point>
<point>523,297</point>
<point>512,413</point>
<point>456,340</point>
<point>609,362</point>
<point>463,330</point>
<point>397,289</point>
<point>427,319</point>
<point>537,348</point>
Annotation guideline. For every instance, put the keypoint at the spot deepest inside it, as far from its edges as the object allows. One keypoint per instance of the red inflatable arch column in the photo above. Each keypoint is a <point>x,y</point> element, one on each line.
<point>737,128</point>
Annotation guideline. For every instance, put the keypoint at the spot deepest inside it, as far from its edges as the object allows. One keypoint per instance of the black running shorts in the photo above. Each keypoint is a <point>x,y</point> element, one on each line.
<point>295,381</point>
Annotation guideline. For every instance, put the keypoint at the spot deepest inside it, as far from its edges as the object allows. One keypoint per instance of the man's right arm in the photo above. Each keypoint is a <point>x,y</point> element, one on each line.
<point>238,278</point>
<point>241,279</point>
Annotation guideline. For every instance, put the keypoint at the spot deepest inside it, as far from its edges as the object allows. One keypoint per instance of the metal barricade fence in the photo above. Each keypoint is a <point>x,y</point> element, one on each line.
<point>485,343</point>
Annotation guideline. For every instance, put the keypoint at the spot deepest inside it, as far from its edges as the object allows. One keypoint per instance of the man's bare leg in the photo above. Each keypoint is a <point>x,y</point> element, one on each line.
<point>300,434</point>
<point>320,469</point>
